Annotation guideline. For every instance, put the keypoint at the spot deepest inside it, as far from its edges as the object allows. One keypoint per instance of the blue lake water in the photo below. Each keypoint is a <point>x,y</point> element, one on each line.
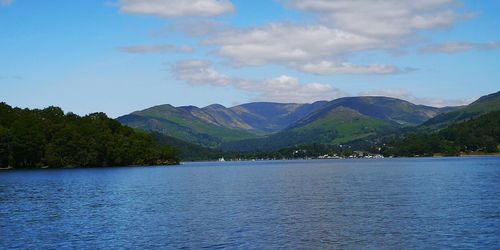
<point>379,203</point>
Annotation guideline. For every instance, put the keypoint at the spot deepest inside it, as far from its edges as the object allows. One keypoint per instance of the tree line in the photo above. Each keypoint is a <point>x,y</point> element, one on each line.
<point>50,138</point>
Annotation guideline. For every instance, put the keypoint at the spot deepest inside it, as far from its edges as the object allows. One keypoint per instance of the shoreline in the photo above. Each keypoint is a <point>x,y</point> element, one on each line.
<point>63,168</point>
<point>359,158</point>
<point>250,160</point>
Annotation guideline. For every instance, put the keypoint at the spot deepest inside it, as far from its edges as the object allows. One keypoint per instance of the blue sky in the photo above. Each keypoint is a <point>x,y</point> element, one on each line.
<point>121,56</point>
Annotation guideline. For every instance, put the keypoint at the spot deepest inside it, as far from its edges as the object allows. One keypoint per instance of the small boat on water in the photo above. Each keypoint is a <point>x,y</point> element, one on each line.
<point>221,159</point>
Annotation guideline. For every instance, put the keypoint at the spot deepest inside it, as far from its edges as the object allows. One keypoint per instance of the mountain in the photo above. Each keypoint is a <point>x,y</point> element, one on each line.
<point>393,111</point>
<point>212,125</point>
<point>339,125</point>
<point>343,120</point>
<point>483,105</point>
<point>187,123</point>
<point>266,126</point>
<point>267,117</point>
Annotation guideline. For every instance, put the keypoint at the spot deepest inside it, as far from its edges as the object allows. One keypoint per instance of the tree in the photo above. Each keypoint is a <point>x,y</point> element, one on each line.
<point>48,137</point>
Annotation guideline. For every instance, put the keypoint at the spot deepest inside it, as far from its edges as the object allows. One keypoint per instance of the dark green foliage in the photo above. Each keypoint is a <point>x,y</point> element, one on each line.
<point>49,138</point>
<point>476,135</point>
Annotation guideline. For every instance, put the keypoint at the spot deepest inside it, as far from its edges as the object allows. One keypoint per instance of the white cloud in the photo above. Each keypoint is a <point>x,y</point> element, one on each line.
<point>284,43</point>
<point>331,68</point>
<point>198,72</point>
<point>341,28</point>
<point>281,89</point>
<point>288,89</point>
<point>308,48</point>
<point>388,18</point>
<point>155,49</point>
<point>177,8</point>
<point>6,2</point>
<point>456,47</point>
<point>408,96</point>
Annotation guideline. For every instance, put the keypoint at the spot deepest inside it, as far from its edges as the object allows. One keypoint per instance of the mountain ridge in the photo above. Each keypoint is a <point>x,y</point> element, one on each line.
<point>215,125</point>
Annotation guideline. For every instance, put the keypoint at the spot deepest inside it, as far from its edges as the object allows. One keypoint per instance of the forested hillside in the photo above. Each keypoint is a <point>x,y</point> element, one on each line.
<point>49,138</point>
<point>481,134</point>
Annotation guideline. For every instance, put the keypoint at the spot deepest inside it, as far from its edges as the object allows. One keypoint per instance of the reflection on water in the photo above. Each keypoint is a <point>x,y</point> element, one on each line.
<point>383,203</point>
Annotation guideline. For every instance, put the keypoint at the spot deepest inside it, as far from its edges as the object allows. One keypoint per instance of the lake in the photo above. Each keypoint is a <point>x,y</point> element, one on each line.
<point>365,203</point>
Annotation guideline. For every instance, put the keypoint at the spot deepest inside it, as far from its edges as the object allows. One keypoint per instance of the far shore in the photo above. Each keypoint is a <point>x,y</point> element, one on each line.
<point>476,154</point>
<point>130,166</point>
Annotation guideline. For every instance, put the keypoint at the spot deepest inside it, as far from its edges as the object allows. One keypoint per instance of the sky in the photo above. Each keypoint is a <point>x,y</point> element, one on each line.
<point>119,56</point>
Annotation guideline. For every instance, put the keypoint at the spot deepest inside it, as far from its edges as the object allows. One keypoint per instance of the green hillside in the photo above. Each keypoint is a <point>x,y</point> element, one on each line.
<point>344,124</point>
<point>342,121</point>
<point>215,124</point>
<point>390,110</point>
<point>338,126</point>
<point>481,134</point>
<point>262,125</point>
<point>483,105</point>
<point>185,123</point>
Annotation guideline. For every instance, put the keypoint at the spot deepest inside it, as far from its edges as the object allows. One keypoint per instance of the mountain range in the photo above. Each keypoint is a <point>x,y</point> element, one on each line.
<point>215,124</point>
<point>266,125</point>
<point>344,120</point>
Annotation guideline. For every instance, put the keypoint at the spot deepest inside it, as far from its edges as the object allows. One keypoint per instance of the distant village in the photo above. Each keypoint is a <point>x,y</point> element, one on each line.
<point>333,156</point>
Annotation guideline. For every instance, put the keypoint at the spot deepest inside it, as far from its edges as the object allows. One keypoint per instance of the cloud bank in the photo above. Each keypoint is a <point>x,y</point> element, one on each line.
<point>308,48</point>
<point>324,43</point>
<point>341,29</point>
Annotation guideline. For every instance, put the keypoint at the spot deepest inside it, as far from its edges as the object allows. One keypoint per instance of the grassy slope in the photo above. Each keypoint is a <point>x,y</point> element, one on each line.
<point>200,126</point>
<point>338,126</point>
<point>482,106</point>
<point>347,123</point>
<point>215,124</point>
<point>173,122</point>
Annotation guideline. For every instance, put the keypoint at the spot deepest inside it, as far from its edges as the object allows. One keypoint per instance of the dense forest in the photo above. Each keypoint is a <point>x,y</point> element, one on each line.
<point>481,134</point>
<point>50,138</point>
